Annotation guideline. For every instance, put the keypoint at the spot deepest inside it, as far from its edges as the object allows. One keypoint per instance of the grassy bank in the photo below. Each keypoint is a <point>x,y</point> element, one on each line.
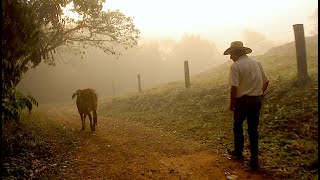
<point>289,117</point>
<point>37,149</point>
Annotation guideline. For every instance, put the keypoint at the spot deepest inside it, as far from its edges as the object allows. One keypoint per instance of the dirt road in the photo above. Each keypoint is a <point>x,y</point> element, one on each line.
<point>121,149</point>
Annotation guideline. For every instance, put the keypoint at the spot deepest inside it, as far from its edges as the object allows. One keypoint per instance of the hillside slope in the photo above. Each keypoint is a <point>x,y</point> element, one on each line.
<point>289,117</point>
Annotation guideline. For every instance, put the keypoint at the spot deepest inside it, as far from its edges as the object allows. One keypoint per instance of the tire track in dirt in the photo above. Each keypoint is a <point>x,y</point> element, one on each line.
<point>121,149</point>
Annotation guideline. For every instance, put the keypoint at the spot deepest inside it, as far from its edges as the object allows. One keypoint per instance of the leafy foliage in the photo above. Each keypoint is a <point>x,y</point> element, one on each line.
<point>38,30</point>
<point>14,102</point>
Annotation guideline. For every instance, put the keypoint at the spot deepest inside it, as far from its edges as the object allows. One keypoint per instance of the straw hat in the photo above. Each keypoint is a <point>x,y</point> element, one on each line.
<point>237,45</point>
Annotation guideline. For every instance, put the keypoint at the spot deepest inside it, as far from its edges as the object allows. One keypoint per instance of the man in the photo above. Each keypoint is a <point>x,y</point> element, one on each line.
<point>248,83</point>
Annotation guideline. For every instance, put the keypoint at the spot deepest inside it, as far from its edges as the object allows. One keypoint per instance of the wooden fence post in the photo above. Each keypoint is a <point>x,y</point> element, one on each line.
<point>139,83</point>
<point>186,74</point>
<point>301,54</point>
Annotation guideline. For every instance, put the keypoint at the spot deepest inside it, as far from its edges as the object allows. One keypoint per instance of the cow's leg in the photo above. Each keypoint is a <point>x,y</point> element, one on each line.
<point>95,122</point>
<point>83,116</point>
<point>90,118</point>
<point>91,122</point>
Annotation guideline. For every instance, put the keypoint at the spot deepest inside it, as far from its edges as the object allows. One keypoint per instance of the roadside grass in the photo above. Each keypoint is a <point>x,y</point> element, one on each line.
<point>37,149</point>
<point>289,116</point>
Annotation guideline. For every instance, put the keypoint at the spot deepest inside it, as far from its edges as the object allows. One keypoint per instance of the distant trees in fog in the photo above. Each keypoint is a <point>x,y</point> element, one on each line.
<point>257,41</point>
<point>158,61</point>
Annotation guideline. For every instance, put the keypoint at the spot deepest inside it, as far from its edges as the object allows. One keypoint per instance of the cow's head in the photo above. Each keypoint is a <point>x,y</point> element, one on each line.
<point>77,93</point>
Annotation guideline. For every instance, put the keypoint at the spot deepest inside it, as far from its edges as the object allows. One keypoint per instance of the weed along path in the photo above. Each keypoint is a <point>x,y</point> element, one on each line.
<point>121,149</point>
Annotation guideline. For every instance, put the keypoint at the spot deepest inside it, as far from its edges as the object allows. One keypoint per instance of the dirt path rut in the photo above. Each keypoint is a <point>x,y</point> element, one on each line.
<point>121,149</point>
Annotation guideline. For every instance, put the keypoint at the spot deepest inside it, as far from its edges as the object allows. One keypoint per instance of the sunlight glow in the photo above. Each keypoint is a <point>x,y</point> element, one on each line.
<point>70,14</point>
<point>215,19</point>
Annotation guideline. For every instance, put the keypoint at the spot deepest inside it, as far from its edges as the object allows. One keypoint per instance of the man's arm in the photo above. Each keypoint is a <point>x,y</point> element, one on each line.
<point>264,87</point>
<point>233,95</point>
<point>265,80</point>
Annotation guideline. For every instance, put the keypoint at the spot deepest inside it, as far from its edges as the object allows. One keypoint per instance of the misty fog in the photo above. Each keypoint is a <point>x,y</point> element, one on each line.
<point>157,61</point>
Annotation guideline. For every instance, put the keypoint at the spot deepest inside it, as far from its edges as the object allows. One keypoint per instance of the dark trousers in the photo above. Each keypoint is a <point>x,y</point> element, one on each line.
<point>247,107</point>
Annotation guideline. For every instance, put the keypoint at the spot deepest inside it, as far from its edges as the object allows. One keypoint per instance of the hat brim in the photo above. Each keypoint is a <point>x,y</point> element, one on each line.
<point>230,49</point>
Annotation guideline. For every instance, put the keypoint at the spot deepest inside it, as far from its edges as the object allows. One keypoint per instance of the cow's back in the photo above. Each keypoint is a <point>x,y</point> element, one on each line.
<point>87,101</point>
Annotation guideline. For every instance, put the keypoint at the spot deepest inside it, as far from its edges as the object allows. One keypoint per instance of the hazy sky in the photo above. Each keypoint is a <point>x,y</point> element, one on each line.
<point>220,21</point>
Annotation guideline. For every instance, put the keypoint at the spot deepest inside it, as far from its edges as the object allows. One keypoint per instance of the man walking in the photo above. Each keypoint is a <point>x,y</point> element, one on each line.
<point>248,83</point>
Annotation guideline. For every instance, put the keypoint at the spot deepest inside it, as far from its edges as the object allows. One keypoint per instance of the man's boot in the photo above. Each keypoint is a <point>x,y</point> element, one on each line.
<point>254,163</point>
<point>235,155</point>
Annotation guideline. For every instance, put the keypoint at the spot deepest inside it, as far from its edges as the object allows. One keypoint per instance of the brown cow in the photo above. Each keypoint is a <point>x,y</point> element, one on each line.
<point>86,102</point>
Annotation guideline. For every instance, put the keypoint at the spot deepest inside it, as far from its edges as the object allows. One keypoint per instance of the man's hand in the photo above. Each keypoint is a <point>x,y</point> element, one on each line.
<point>233,95</point>
<point>264,87</point>
<point>231,108</point>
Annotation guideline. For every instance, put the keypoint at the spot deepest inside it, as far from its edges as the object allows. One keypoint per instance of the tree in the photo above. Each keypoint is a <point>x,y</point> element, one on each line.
<point>256,41</point>
<point>199,52</point>
<point>38,30</point>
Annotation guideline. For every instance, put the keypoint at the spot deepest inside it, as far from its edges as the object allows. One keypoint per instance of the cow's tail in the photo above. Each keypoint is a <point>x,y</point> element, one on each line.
<point>74,94</point>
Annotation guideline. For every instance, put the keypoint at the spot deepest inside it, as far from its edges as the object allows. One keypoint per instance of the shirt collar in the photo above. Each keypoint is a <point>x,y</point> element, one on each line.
<point>242,57</point>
